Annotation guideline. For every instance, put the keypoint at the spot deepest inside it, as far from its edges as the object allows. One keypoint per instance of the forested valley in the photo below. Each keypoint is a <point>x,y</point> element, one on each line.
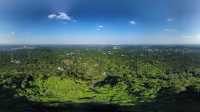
<point>99,78</point>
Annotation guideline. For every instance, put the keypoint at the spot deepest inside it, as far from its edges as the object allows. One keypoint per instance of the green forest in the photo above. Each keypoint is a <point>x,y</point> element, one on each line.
<point>100,79</point>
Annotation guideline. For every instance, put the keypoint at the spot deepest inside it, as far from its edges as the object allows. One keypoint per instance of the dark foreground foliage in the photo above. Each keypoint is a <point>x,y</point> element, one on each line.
<point>167,101</point>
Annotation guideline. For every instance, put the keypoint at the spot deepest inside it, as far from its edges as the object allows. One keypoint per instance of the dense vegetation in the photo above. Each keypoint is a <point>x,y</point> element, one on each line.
<point>129,78</point>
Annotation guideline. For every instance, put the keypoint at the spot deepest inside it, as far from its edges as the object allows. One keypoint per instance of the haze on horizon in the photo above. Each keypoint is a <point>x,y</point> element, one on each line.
<point>99,22</point>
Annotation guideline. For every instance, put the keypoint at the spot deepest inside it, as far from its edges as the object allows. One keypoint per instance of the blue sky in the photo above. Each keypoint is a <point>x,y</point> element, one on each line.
<point>99,22</point>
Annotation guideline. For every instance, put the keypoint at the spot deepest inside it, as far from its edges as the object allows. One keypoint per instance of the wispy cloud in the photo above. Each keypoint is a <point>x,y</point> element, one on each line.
<point>191,39</point>
<point>60,16</point>
<point>132,22</point>
<point>9,38</point>
<point>170,30</point>
<point>12,33</point>
<point>170,19</point>
<point>99,27</point>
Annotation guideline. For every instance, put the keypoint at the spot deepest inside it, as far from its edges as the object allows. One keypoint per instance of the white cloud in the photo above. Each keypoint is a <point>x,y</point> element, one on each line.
<point>132,22</point>
<point>60,16</point>
<point>63,16</point>
<point>51,16</point>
